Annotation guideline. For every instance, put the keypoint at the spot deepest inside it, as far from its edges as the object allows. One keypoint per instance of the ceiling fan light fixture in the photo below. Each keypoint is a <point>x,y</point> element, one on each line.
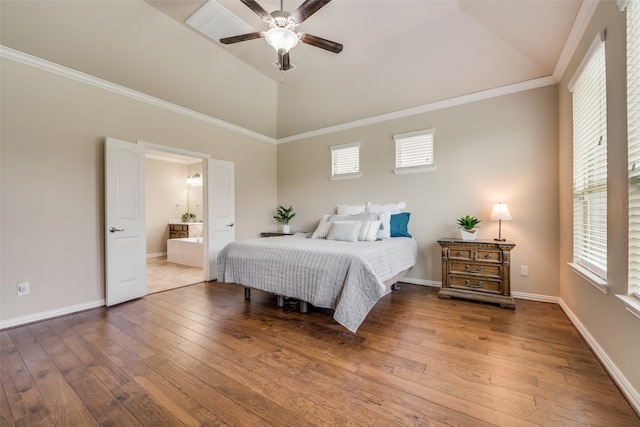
<point>281,39</point>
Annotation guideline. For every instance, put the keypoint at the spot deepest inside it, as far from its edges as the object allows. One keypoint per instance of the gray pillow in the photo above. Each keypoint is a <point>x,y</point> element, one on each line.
<point>345,231</point>
<point>358,217</point>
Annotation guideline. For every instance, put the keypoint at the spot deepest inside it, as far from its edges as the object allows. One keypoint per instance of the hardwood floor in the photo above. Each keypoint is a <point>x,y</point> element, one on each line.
<point>202,355</point>
<point>163,275</point>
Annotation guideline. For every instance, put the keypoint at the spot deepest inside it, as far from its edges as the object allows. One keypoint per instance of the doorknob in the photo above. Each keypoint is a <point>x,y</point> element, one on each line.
<point>113,229</point>
<point>230,225</point>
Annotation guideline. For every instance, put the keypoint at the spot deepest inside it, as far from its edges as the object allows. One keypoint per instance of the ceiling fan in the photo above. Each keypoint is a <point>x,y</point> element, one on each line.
<point>281,35</point>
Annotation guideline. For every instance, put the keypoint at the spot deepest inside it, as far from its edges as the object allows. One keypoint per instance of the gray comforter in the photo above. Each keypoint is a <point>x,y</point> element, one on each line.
<point>345,276</point>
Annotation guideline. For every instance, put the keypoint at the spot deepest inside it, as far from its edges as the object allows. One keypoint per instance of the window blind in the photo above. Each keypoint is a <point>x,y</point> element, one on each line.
<point>414,149</point>
<point>590,162</point>
<point>633,138</point>
<point>345,159</point>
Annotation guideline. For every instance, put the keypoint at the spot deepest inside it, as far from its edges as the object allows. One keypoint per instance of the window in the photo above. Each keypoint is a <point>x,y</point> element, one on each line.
<point>633,137</point>
<point>590,166</point>
<point>414,151</point>
<point>345,161</point>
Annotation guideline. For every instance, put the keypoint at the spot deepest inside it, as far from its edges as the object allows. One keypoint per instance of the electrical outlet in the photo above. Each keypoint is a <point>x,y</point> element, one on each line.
<point>23,288</point>
<point>524,270</point>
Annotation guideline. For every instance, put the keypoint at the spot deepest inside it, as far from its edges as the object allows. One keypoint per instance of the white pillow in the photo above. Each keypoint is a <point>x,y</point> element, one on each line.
<point>322,230</point>
<point>345,231</point>
<point>389,207</point>
<point>350,209</point>
<point>385,225</point>
<point>369,231</point>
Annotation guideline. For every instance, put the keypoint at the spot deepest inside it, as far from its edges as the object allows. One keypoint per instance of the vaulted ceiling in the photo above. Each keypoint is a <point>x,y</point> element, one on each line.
<point>397,54</point>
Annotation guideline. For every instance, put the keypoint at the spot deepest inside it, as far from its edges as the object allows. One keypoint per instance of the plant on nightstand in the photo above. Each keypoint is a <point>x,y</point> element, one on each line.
<point>283,216</point>
<point>468,225</point>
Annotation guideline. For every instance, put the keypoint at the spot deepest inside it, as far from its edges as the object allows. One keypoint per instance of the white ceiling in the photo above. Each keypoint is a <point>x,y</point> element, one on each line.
<point>398,54</point>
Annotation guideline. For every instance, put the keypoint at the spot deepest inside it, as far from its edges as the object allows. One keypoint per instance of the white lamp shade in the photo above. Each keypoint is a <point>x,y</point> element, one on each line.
<point>281,39</point>
<point>501,211</point>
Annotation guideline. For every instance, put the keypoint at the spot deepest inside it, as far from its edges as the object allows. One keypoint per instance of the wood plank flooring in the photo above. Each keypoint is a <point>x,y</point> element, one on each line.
<point>202,355</point>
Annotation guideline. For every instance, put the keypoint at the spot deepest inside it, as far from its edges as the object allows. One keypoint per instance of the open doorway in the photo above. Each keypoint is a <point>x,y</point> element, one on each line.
<point>174,220</point>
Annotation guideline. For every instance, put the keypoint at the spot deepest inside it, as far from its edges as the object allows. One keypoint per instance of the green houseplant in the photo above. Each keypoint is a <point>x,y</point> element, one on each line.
<point>283,216</point>
<point>468,227</point>
<point>188,217</point>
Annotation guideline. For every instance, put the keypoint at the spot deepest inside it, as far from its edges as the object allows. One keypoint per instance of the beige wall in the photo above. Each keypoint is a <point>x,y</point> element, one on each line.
<point>499,149</point>
<point>53,131</point>
<point>166,199</point>
<point>615,330</point>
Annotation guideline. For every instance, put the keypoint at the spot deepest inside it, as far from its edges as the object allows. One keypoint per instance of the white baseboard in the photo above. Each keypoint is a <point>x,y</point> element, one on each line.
<point>421,282</point>
<point>23,320</point>
<point>535,297</point>
<point>156,255</point>
<point>627,389</point>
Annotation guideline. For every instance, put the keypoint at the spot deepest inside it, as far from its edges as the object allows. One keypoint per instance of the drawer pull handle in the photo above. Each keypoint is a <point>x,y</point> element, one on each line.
<point>459,254</point>
<point>488,256</point>
<point>471,285</point>
<point>468,267</point>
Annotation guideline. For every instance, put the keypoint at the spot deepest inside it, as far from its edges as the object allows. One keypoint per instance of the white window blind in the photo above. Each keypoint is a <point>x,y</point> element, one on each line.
<point>345,160</point>
<point>590,161</point>
<point>633,137</point>
<point>414,149</point>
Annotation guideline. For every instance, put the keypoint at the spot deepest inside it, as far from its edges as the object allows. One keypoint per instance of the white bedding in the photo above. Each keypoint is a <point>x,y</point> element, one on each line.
<point>345,276</point>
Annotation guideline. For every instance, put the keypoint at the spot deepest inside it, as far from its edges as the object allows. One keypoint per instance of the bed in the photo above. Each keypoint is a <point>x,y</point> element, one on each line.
<point>346,276</point>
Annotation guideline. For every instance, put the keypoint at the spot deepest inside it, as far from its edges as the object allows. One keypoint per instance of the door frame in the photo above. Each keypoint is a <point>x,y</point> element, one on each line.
<point>206,182</point>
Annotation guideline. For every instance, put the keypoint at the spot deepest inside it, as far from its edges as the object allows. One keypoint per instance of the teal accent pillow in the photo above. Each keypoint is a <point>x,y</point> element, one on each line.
<point>399,224</point>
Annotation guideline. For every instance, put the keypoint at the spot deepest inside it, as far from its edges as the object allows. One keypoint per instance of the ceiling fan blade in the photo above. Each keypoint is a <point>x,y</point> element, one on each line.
<point>283,61</point>
<point>321,43</point>
<point>241,38</point>
<point>306,9</point>
<point>251,4</point>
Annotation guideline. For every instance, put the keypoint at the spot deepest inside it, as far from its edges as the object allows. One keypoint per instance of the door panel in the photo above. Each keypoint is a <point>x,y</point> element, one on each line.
<point>221,205</point>
<point>125,234</point>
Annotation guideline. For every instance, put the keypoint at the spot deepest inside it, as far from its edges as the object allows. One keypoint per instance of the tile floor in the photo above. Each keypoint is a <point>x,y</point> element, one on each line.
<point>163,275</point>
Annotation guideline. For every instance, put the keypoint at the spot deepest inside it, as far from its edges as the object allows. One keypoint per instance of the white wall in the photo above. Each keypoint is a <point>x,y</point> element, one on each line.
<point>52,221</point>
<point>499,149</point>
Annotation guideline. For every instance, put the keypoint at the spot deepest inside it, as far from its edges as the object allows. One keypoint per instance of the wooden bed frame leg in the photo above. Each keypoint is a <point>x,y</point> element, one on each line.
<point>279,300</point>
<point>247,293</point>
<point>304,307</point>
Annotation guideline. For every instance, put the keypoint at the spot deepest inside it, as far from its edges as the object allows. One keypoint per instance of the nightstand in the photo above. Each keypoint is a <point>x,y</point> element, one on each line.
<point>477,270</point>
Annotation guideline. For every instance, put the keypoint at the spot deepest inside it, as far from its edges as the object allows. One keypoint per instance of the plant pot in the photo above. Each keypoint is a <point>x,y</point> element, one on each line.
<point>286,228</point>
<point>468,235</point>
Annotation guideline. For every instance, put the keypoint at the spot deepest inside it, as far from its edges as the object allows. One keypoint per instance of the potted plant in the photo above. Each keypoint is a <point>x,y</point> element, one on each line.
<point>188,217</point>
<point>468,225</point>
<point>283,216</point>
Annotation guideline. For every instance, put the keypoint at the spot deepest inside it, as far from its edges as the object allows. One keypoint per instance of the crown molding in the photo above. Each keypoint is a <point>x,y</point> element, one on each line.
<point>587,9</point>
<point>61,70</point>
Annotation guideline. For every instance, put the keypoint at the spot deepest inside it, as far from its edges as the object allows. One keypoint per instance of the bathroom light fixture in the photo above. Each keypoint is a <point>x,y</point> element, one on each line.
<point>194,180</point>
<point>500,211</point>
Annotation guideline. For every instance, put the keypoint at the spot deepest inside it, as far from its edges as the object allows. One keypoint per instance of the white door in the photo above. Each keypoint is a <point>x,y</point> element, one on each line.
<point>221,205</point>
<point>125,261</point>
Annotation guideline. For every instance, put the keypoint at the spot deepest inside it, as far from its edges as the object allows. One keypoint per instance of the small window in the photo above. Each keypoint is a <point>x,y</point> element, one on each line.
<point>414,152</point>
<point>345,161</point>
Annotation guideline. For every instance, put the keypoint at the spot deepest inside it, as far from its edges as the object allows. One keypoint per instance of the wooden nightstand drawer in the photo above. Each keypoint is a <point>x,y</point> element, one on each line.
<point>460,253</point>
<point>488,255</point>
<point>476,268</point>
<point>479,284</point>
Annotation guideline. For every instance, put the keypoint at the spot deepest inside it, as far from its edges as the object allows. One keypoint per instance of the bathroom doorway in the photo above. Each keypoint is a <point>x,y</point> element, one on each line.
<point>174,220</point>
